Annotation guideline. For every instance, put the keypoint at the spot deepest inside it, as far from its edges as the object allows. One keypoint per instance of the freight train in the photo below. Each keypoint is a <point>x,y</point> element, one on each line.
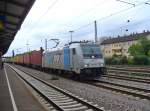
<point>79,59</point>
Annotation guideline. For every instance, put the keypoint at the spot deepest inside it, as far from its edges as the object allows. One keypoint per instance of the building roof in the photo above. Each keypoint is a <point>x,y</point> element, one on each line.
<point>125,38</point>
<point>12,14</point>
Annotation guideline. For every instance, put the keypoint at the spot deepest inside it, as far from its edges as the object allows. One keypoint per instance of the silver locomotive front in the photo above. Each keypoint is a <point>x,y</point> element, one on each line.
<point>90,61</point>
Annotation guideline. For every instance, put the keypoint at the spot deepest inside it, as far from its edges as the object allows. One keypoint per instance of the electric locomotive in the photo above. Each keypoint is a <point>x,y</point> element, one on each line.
<point>82,59</point>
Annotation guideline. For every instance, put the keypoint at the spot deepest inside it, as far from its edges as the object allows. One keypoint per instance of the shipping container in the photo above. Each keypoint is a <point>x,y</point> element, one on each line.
<point>26,58</point>
<point>20,59</point>
<point>36,58</point>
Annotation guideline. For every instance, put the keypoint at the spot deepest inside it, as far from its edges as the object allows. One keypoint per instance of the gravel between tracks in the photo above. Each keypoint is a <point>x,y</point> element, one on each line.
<point>104,98</point>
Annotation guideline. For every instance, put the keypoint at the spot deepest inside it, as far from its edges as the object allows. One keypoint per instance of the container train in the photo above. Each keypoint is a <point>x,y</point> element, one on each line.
<point>79,59</point>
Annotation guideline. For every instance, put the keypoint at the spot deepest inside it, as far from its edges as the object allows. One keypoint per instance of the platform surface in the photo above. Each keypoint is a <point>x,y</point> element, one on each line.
<point>23,99</point>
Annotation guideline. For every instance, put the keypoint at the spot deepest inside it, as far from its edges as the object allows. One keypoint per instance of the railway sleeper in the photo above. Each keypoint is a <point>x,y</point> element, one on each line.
<point>72,106</point>
<point>82,108</point>
<point>67,103</point>
<point>64,101</point>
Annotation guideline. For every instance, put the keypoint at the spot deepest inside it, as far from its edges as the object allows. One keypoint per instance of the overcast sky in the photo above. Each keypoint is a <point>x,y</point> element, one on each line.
<point>50,19</point>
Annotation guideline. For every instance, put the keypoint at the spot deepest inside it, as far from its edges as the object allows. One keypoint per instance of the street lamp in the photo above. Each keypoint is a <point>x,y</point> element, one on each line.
<point>71,31</point>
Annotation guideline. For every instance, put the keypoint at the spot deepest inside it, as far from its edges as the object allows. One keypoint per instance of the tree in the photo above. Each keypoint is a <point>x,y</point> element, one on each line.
<point>141,48</point>
<point>136,49</point>
<point>141,59</point>
<point>141,52</point>
<point>146,45</point>
<point>149,53</point>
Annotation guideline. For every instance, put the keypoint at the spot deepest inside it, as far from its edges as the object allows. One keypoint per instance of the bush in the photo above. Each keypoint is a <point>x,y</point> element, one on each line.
<point>148,60</point>
<point>141,60</point>
<point>130,61</point>
<point>136,60</point>
<point>108,60</point>
<point>123,60</point>
<point>115,61</point>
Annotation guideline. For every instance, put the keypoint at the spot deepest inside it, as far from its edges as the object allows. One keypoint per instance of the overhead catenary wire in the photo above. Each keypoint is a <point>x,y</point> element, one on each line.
<point>87,11</point>
<point>101,3</point>
<point>131,25</point>
<point>116,13</point>
<point>43,15</point>
<point>126,2</point>
<point>103,18</point>
<point>113,14</point>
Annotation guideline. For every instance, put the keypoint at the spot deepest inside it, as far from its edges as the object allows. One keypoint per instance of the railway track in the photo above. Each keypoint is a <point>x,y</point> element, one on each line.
<point>129,78</point>
<point>127,72</point>
<point>58,99</point>
<point>130,67</point>
<point>129,90</point>
<point>142,70</point>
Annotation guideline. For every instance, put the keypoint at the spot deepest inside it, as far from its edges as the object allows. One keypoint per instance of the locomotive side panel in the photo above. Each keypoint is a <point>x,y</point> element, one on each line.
<point>53,60</point>
<point>57,59</point>
<point>66,58</point>
<point>74,60</point>
<point>47,60</point>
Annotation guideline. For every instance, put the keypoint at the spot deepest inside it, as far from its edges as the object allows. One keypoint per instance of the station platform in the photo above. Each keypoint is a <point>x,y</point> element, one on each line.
<point>5,100</point>
<point>14,95</point>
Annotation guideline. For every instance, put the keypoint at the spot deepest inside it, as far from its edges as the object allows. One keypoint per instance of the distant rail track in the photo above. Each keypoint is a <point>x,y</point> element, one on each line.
<point>131,72</point>
<point>132,69</point>
<point>129,78</point>
<point>124,89</point>
<point>58,99</point>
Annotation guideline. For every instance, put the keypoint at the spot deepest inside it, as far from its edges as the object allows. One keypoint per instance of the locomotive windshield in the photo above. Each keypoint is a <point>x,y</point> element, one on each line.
<point>91,51</point>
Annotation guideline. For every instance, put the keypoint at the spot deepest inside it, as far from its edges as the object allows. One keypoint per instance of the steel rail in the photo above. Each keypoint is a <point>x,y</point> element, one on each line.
<point>134,91</point>
<point>135,79</point>
<point>67,94</point>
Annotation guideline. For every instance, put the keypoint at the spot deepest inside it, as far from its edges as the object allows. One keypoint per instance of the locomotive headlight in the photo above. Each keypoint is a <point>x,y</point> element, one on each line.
<point>86,65</point>
<point>101,64</point>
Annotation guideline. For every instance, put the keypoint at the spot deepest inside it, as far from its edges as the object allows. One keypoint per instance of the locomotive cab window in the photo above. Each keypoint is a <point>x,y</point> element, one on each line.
<point>91,50</point>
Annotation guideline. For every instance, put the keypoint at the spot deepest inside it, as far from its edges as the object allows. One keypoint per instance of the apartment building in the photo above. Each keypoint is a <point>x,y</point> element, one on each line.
<point>120,45</point>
